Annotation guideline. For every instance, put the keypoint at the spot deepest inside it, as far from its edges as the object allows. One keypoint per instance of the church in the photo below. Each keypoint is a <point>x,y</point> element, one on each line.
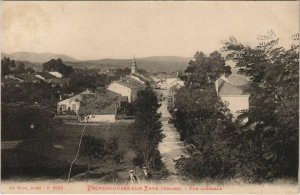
<point>129,86</point>
<point>134,76</point>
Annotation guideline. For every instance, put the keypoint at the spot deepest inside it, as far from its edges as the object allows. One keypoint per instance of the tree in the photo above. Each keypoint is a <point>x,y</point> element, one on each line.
<point>147,127</point>
<point>121,72</point>
<point>20,67</point>
<point>17,121</point>
<point>203,120</point>
<point>59,66</point>
<point>6,65</point>
<point>112,148</point>
<point>30,70</point>
<point>272,144</point>
<point>93,148</point>
<point>205,69</point>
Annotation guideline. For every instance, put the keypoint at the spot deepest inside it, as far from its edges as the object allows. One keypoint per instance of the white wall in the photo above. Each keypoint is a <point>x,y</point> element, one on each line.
<point>101,118</point>
<point>122,90</point>
<point>173,81</point>
<point>169,81</point>
<point>69,102</point>
<point>236,103</point>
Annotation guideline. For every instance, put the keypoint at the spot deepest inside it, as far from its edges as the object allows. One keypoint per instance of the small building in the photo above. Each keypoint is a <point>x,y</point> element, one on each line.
<point>97,106</point>
<point>45,76</point>
<point>231,90</point>
<point>71,105</point>
<point>170,82</point>
<point>61,82</point>
<point>8,82</point>
<point>52,80</point>
<point>126,89</point>
<point>24,78</point>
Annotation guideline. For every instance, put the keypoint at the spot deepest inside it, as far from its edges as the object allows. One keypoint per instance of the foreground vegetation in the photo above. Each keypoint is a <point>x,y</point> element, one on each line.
<point>266,147</point>
<point>147,132</point>
<point>49,154</point>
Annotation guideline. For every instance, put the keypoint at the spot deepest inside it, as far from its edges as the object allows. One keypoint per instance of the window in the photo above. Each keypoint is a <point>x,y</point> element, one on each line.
<point>74,107</point>
<point>64,106</point>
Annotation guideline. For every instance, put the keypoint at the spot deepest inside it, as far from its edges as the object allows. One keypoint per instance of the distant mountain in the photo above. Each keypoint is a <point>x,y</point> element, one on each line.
<point>166,59</point>
<point>37,57</point>
<point>152,64</point>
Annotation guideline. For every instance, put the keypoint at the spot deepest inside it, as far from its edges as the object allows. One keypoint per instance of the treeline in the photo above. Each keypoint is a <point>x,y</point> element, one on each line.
<point>263,149</point>
<point>147,132</point>
<point>9,66</point>
<point>20,122</point>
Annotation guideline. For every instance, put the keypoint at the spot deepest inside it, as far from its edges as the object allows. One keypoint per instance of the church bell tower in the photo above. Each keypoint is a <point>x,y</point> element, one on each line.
<point>133,66</point>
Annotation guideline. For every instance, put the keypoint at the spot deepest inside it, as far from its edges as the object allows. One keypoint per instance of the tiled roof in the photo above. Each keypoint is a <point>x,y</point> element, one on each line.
<point>236,80</point>
<point>232,85</point>
<point>99,103</point>
<point>27,77</point>
<point>45,75</point>
<point>130,85</point>
<point>9,81</point>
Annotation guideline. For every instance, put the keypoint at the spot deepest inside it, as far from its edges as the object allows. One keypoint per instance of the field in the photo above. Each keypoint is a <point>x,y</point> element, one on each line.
<point>50,155</point>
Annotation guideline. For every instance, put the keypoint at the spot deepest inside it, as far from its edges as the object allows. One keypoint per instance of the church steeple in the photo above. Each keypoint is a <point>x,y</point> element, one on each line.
<point>133,66</point>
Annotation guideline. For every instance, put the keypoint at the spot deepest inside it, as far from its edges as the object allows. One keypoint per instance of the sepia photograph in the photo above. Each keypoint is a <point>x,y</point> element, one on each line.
<point>149,97</point>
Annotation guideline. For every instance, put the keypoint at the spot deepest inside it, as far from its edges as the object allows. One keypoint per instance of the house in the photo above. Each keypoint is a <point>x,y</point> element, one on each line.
<point>45,76</point>
<point>231,91</point>
<point>8,82</point>
<point>97,106</point>
<point>56,74</point>
<point>125,88</point>
<point>135,78</point>
<point>24,78</point>
<point>60,82</point>
<point>170,82</point>
<point>50,79</point>
<point>130,85</point>
<point>72,104</point>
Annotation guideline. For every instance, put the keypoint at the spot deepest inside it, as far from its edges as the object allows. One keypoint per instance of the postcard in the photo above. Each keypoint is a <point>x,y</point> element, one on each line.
<point>149,97</point>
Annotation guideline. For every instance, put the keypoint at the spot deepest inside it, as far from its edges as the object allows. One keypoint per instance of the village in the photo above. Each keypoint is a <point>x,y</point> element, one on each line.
<point>109,110</point>
<point>164,98</point>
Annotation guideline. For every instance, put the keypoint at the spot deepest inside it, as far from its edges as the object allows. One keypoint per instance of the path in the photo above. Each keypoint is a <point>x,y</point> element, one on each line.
<point>171,147</point>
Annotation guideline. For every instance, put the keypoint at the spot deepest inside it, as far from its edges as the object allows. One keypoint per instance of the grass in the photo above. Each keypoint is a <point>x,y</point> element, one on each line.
<point>51,153</point>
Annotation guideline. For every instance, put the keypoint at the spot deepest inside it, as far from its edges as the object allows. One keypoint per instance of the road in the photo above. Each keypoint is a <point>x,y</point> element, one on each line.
<point>171,147</point>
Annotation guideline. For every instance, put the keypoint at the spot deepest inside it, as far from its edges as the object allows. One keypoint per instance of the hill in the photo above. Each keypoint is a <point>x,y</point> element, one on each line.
<point>36,57</point>
<point>151,64</point>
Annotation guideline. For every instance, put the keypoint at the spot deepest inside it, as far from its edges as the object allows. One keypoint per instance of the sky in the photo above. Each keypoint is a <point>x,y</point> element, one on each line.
<point>95,30</point>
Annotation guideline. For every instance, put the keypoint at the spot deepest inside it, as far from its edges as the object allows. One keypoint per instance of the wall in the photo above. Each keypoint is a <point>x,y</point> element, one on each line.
<point>102,118</point>
<point>69,102</point>
<point>236,103</point>
<point>122,90</point>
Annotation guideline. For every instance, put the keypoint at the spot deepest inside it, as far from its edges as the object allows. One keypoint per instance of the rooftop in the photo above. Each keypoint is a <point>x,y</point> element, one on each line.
<point>99,103</point>
<point>9,81</point>
<point>27,77</point>
<point>46,75</point>
<point>130,85</point>
<point>232,85</point>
